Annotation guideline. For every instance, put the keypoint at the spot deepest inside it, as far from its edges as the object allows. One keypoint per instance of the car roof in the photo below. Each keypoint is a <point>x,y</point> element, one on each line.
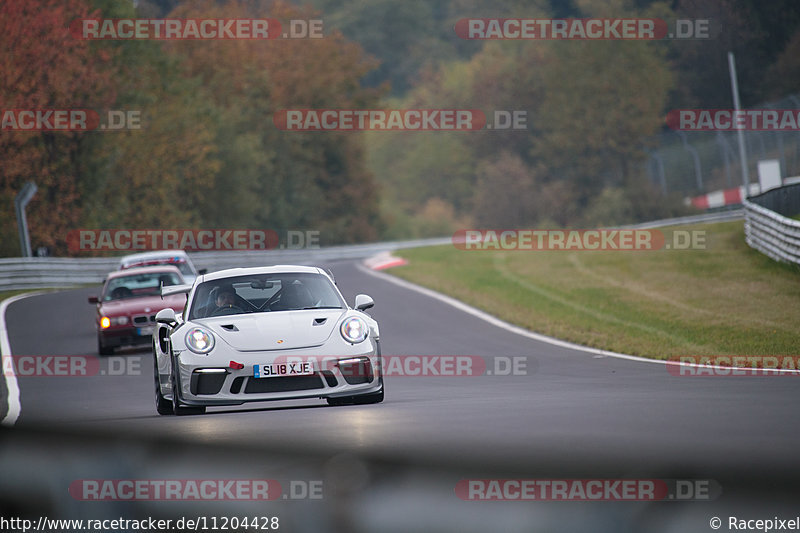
<point>275,269</point>
<point>158,254</point>
<point>145,270</point>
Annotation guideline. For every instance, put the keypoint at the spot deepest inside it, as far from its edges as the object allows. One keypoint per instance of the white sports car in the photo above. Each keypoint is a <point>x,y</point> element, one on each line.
<point>265,333</point>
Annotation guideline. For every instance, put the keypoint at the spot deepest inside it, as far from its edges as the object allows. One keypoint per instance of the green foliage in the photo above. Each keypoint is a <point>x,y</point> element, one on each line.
<point>589,106</point>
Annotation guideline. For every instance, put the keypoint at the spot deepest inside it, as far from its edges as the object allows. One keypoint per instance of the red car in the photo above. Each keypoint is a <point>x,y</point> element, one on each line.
<point>128,304</point>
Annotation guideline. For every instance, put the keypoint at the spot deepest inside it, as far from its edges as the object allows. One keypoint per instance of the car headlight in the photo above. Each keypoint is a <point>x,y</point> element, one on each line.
<point>199,340</point>
<point>107,322</point>
<point>354,330</point>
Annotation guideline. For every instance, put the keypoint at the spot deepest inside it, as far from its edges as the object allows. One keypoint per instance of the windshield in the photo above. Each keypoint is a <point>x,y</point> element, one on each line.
<point>182,265</point>
<point>139,285</point>
<point>264,293</point>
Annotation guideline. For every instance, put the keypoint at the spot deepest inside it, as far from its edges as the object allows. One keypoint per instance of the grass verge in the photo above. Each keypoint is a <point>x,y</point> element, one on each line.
<point>5,295</point>
<point>726,299</point>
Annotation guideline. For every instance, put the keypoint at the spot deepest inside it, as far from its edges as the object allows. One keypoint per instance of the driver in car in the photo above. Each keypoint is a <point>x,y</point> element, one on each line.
<point>226,298</point>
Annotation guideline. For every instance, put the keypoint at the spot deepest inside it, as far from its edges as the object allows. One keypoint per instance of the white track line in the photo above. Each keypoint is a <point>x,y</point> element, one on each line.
<point>14,405</point>
<point>486,317</point>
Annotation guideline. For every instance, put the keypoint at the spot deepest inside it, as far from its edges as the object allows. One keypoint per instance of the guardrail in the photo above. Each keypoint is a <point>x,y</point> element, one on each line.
<point>769,229</point>
<point>705,218</point>
<point>46,272</point>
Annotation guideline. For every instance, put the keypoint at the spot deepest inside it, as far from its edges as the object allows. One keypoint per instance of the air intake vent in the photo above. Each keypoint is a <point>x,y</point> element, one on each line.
<point>330,379</point>
<point>236,386</point>
<point>283,384</point>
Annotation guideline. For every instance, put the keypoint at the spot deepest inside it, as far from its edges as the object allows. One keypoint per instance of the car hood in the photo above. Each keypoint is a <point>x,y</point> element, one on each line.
<point>140,305</point>
<point>276,330</point>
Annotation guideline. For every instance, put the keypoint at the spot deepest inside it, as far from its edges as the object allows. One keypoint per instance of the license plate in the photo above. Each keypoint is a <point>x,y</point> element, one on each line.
<point>145,332</point>
<point>283,369</point>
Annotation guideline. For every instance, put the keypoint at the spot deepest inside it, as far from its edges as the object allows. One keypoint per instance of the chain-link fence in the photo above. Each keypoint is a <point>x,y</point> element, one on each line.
<point>693,163</point>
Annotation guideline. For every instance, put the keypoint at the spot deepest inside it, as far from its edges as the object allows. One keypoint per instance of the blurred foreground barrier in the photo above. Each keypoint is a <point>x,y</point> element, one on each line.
<point>89,475</point>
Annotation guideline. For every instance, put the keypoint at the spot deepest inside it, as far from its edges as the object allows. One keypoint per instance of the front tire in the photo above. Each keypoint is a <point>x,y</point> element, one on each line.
<point>163,406</point>
<point>102,349</point>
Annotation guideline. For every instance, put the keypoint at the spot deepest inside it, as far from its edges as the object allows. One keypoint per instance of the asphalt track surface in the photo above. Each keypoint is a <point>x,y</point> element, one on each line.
<point>571,411</point>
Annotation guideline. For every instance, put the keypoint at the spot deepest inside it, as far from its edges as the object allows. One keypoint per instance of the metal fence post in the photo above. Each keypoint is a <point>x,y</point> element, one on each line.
<point>20,203</point>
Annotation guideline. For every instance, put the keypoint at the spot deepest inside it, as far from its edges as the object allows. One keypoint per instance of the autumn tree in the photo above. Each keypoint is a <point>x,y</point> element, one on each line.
<point>283,179</point>
<point>45,67</point>
<point>160,173</point>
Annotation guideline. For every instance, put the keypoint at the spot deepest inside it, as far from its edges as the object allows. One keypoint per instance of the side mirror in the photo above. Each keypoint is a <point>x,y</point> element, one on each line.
<point>166,316</point>
<point>202,271</point>
<point>363,302</point>
<point>93,299</point>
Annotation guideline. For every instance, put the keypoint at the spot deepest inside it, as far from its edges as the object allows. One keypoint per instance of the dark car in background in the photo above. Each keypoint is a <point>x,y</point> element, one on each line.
<point>128,303</point>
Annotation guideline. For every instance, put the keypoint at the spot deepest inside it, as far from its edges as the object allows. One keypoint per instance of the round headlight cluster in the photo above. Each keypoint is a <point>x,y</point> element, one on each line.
<point>354,330</point>
<point>199,340</point>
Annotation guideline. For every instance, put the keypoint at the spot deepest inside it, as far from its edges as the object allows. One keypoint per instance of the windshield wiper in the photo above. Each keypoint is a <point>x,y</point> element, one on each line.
<point>324,307</point>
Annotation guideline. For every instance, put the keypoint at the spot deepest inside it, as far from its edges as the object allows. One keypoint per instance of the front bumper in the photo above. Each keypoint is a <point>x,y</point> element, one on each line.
<point>125,336</point>
<point>210,380</point>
